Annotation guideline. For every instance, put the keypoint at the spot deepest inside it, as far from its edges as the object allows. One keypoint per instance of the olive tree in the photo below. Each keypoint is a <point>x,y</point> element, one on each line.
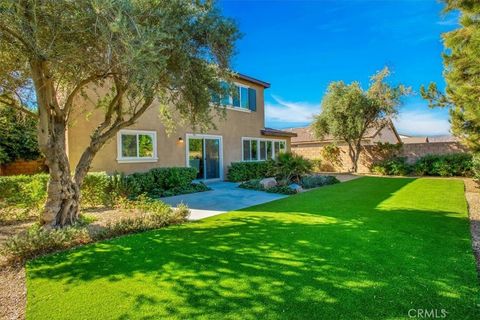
<point>133,54</point>
<point>348,111</point>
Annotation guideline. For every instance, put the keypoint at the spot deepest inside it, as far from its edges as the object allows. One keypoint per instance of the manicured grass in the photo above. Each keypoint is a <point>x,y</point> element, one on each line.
<point>371,248</point>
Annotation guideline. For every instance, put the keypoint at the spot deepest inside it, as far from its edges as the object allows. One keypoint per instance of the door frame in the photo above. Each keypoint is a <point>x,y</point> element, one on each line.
<point>189,136</point>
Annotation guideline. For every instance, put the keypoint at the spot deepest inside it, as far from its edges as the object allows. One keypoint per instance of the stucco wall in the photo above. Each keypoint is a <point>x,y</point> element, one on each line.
<point>414,151</point>
<point>171,152</point>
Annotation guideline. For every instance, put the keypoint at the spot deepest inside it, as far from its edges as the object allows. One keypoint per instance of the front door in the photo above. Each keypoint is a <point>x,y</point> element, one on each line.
<point>204,154</point>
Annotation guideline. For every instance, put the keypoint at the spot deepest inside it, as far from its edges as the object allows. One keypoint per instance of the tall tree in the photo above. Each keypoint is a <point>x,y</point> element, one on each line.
<point>132,53</point>
<point>348,111</point>
<point>461,60</point>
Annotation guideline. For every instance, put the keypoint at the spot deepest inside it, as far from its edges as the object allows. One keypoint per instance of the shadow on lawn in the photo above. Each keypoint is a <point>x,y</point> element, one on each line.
<point>342,260</point>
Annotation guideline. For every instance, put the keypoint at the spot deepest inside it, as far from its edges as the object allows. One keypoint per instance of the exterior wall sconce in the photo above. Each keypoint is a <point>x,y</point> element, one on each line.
<point>180,140</point>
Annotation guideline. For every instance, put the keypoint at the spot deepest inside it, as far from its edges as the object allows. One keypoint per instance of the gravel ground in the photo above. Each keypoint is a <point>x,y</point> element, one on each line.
<point>472,194</point>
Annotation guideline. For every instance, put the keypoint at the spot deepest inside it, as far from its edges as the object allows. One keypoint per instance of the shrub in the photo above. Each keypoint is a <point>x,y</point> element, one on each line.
<point>313,181</point>
<point>457,164</point>
<point>158,182</point>
<point>244,171</point>
<point>38,241</point>
<point>331,153</point>
<point>254,184</point>
<point>397,166</point>
<point>94,190</point>
<point>290,167</point>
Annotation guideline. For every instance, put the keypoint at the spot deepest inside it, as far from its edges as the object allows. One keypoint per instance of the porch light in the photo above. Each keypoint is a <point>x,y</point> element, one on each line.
<point>180,140</point>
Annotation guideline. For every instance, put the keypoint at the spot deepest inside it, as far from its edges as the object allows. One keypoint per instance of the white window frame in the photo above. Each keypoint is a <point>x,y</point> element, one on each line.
<point>137,159</point>
<point>230,105</point>
<point>189,136</point>
<point>258,147</point>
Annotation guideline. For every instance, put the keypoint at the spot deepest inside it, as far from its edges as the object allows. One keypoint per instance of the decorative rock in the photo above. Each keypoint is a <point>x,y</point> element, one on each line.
<point>298,188</point>
<point>268,183</point>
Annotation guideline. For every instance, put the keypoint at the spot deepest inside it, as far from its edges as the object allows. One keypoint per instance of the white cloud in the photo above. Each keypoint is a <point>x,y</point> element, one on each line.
<point>424,123</point>
<point>286,111</point>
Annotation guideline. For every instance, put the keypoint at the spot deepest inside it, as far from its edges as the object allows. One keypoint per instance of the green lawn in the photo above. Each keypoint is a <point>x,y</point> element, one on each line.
<point>371,248</point>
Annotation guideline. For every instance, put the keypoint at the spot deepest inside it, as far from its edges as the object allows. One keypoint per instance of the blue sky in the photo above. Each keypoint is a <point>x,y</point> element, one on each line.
<point>301,46</point>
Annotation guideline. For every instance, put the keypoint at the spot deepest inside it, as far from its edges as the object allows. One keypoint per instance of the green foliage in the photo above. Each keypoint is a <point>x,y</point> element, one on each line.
<point>37,241</point>
<point>457,164</point>
<point>290,167</point>
<point>449,165</point>
<point>22,196</point>
<point>396,166</point>
<point>348,111</point>
<point>316,165</point>
<point>313,181</point>
<point>158,182</point>
<point>243,171</point>
<point>94,190</point>
<point>461,68</point>
<point>18,135</point>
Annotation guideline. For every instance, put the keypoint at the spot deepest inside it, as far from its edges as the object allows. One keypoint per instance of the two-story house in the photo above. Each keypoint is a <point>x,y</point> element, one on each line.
<point>240,136</point>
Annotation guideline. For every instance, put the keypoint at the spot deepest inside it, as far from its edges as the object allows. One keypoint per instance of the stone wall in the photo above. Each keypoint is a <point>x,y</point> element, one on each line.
<point>23,167</point>
<point>370,154</point>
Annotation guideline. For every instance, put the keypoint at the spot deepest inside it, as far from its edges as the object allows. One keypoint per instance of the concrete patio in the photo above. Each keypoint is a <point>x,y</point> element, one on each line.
<point>224,197</point>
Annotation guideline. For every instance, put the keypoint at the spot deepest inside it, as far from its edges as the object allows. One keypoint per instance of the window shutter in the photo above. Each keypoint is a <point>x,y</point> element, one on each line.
<point>252,99</point>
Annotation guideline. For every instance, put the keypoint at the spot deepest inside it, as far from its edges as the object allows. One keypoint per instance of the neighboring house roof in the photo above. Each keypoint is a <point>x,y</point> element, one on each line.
<point>426,139</point>
<point>250,79</point>
<point>447,138</point>
<point>409,140</point>
<point>278,133</point>
<point>305,135</point>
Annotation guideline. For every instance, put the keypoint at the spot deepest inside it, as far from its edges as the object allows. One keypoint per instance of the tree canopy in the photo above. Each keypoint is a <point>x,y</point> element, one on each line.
<point>131,53</point>
<point>461,60</point>
<point>348,111</point>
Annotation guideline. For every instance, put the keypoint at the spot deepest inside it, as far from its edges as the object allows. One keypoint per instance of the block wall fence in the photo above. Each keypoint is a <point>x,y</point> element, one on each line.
<point>368,156</point>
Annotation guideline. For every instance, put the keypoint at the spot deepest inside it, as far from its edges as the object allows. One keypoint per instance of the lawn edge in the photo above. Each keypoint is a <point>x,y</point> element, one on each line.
<point>472,196</point>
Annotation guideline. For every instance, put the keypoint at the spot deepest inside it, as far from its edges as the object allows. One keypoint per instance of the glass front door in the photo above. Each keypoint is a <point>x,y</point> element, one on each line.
<point>204,155</point>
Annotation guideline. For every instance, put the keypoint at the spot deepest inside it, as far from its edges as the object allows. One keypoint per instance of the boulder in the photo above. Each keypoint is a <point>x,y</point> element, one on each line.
<point>268,183</point>
<point>296,187</point>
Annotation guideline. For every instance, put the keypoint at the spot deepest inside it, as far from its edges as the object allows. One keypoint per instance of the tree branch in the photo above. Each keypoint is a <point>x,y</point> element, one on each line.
<point>12,103</point>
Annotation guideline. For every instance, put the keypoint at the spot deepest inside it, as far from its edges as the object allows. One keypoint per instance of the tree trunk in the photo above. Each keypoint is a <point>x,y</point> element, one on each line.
<point>354,154</point>
<point>63,193</point>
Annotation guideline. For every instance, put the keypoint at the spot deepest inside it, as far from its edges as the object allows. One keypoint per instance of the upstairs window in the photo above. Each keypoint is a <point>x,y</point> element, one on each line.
<point>244,97</point>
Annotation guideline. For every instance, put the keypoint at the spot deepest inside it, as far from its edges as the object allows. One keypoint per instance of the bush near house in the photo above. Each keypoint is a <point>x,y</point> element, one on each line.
<point>244,171</point>
<point>457,164</point>
<point>22,197</point>
<point>476,166</point>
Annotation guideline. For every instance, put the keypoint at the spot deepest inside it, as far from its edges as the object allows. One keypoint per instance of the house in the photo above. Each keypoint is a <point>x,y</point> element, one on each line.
<point>240,136</point>
<point>307,145</point>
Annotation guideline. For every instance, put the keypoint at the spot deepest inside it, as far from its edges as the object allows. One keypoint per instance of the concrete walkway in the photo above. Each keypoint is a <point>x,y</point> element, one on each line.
<point>224,197</point>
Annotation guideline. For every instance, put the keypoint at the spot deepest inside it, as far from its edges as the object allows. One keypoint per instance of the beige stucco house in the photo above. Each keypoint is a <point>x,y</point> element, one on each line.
<point>240,136</point>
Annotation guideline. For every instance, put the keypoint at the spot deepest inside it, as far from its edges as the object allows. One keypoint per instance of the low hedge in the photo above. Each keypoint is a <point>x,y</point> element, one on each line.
<point>476,165</point>
<point>244,171</point>
<point>22,197</point>
<point>449,165</point>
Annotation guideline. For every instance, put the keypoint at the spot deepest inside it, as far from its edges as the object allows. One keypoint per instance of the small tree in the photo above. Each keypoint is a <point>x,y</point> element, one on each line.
<point>348,111</point>
<point>131,54</point>
<point>462,74</point>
